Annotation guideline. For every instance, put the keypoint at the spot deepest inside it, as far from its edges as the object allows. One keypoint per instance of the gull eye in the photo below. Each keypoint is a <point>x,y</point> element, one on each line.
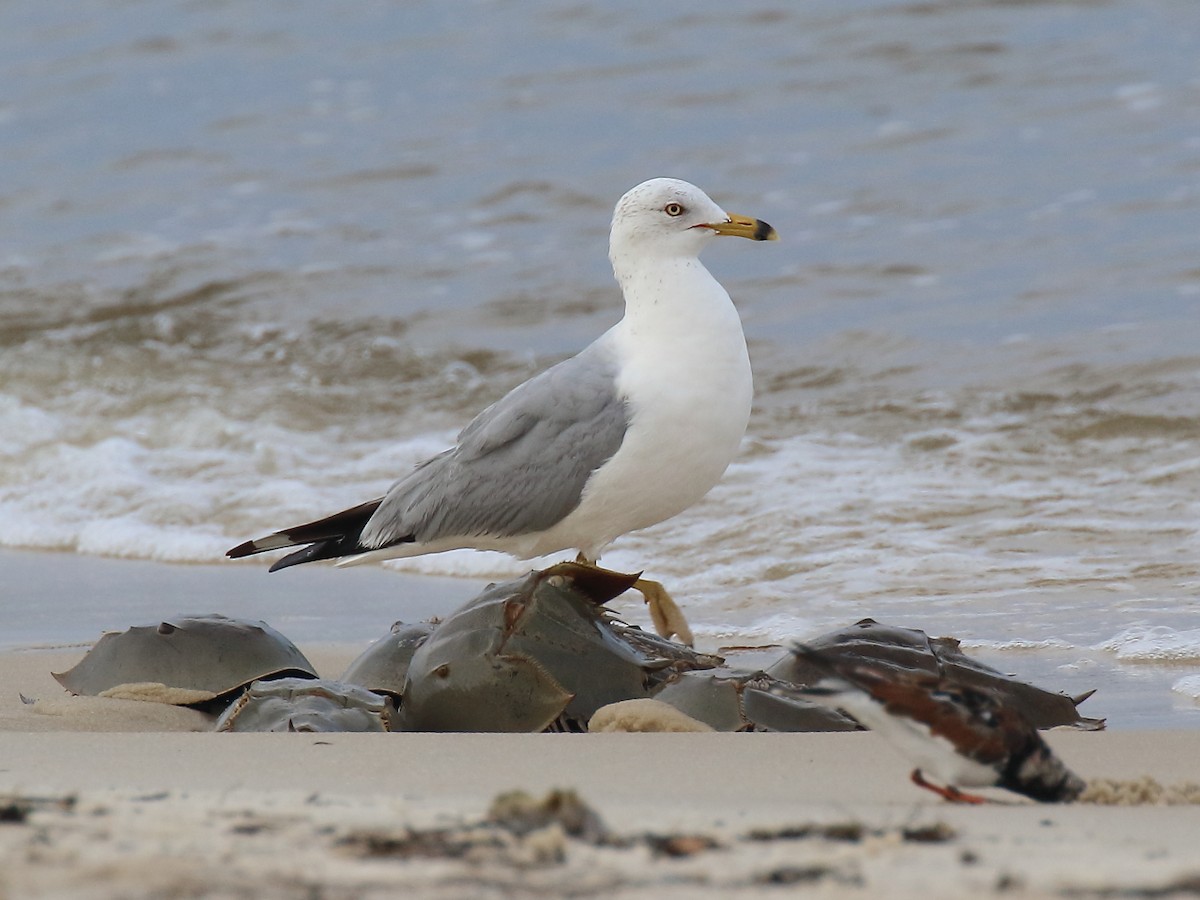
<point>673,209</point>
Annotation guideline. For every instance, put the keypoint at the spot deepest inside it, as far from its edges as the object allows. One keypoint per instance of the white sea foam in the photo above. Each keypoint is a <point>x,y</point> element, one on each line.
<point>1152,644</point>
<point>803,532</point>
<point>778,627</point>
<point>1016,645</point>
<point>24,427</point>
<point>1189,686</point>
<point>179,488</point>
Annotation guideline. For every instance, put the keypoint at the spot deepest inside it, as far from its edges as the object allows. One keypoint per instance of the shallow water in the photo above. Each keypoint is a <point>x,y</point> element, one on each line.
<point>256,260</point>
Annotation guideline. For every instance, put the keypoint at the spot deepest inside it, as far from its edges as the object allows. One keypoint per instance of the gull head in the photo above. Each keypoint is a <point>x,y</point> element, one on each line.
<point>671,218</point>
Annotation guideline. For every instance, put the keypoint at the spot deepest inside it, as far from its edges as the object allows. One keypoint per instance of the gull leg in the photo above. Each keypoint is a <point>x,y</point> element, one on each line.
<point>951,793</point>
<point>665,613</point>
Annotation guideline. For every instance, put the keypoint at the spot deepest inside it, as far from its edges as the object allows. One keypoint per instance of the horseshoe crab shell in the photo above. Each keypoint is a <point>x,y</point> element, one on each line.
<point>184,661</point>
<point>732,701</point>
<point>383,667</point>
<point>528,653</point>
<point>913,649</point>
<point>309,705</point>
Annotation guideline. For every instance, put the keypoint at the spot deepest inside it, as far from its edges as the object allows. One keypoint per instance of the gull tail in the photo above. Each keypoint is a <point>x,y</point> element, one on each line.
<point>328,538</point>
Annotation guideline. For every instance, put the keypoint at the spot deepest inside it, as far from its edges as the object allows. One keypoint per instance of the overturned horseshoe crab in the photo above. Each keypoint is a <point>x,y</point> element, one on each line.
<point>189,660</point>
<point>910,649</point>
<point>535,652</point>
<point>309,705</point>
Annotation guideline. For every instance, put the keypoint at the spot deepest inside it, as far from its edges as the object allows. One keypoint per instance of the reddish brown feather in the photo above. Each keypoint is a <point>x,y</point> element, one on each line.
<point>931,700</point>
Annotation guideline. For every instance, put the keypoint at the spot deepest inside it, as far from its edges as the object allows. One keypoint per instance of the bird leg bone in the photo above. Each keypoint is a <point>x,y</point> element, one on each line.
<point>665,613</point>
<point>949,792</point>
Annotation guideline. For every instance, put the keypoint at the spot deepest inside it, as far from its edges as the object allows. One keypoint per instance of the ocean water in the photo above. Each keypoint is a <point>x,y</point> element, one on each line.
<point>256,260</point>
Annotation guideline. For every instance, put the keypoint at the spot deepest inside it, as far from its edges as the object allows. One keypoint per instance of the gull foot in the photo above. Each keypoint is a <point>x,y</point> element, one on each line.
<point>665,613</point>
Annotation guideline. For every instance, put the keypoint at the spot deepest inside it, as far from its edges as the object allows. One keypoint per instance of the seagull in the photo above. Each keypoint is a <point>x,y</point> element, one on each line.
<point>963,735</point>
<point>631,431</point>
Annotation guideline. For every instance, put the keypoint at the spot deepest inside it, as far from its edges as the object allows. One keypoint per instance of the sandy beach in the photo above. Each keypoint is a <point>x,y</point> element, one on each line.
<point>110,798</point>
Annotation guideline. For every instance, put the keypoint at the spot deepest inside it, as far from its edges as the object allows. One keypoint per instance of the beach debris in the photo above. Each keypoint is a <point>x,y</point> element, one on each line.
<point>935,833</point>
<point>853,832</point>
<point>307,705</point>
<point>680,846</point>
<point>15,809</point>
<point>13,813</point>
<point>644,715</point>
<point>186,661</point>
<point>522,830</point>
<point>964,735</point>
<point>383,667</point>
<point>536,653</point>
<point>1144,791</point>
<point>522,813</point>
<point>809,875</point>
<point>519,830</point>
<point>846,832</point>
<point>426,843</point>
<point>910,649</point>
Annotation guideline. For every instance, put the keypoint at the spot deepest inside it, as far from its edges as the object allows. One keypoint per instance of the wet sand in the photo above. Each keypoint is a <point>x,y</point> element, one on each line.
<point>51,599</point>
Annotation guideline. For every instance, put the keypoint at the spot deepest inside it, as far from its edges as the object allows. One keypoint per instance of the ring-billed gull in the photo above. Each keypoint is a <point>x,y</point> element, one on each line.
<point>630,432</point>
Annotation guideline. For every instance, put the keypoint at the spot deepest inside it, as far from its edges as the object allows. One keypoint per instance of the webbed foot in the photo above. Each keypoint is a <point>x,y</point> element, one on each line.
<point>665,613</point>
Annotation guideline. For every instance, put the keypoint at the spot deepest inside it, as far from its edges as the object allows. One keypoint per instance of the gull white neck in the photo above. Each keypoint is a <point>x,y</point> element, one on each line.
<point>677,298</point>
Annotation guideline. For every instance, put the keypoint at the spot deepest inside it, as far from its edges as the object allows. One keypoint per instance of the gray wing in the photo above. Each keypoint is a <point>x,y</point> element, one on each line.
<point>520,466</point>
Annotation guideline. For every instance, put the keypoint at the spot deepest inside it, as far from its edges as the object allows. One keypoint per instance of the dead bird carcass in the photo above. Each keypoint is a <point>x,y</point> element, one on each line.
<point>537,652</point>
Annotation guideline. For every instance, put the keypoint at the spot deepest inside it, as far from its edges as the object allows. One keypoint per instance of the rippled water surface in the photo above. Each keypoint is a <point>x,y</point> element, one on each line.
<point>256,259</point>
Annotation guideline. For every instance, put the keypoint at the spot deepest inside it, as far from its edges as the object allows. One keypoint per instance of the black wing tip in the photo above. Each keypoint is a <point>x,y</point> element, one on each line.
<point>245,549</point>
<point>284,563</point>
<point>332,549</point>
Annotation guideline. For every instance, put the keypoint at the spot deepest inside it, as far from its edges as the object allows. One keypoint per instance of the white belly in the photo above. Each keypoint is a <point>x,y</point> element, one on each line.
<point>689,402</point>
<point>932,754</point>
